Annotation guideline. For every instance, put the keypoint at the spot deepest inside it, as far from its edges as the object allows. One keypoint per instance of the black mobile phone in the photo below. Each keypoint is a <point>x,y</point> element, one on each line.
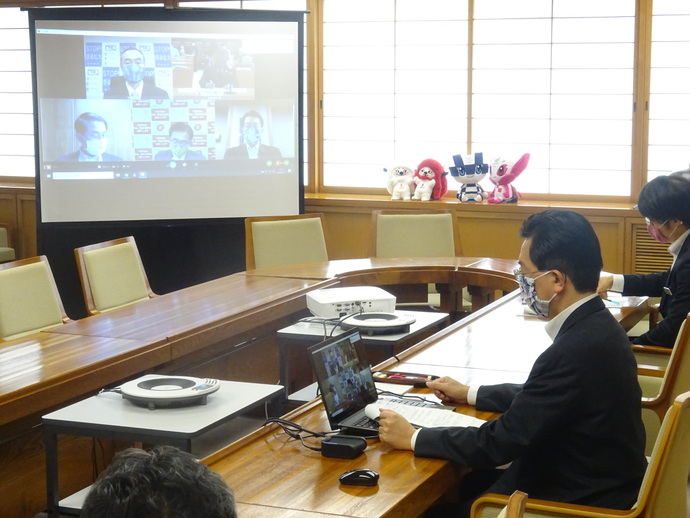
<point>403,378</point>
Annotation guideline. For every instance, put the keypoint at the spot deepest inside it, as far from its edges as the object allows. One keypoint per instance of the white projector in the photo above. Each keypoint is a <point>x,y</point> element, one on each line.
<point>340,302</point>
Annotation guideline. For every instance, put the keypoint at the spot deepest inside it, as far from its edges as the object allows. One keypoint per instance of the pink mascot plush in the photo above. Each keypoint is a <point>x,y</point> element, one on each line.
<point>430,181</point>
<point>502,174</point>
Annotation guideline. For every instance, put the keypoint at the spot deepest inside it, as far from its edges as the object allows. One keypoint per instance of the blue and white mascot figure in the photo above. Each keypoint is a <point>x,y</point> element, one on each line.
<point>469,171</point>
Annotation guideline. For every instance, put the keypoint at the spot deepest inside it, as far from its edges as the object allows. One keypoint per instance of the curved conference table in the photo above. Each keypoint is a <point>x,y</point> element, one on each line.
<point>52,368</point>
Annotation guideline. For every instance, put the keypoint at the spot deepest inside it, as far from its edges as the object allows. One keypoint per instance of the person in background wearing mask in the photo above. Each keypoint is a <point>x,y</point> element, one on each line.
<point>665,204</point>
<point>252,126</point>
<point>91,131</point>
<point>565,442</point>
<point>181,135</point>
<point>133,84</point>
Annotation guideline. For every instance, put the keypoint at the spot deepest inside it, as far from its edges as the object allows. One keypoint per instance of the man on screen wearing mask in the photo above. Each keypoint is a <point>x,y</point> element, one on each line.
<point>252,127</point>
<point>181,136</point>
<point>133,84</point>
<point>91,131</point>
<point>573,431</point>
<point>665,204</point>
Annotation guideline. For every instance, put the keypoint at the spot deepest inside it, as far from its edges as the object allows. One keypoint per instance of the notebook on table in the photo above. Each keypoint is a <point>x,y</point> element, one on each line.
<point>346,383</point>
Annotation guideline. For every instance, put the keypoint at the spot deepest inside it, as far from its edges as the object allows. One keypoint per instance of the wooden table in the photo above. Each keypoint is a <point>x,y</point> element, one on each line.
<point>50,369</point>
<point>498,344</point>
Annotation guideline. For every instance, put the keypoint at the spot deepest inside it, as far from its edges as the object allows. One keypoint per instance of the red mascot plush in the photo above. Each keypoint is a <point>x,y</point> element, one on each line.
<point>430,181</point>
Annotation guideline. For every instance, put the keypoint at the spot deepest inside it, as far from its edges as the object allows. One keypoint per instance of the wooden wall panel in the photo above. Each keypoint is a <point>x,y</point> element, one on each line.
<point>18,211</point>
<point>26,223</point>
<point>485,230</point>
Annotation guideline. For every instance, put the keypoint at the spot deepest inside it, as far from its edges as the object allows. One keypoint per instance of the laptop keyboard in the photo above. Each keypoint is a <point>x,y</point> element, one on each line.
<point>365,422</point>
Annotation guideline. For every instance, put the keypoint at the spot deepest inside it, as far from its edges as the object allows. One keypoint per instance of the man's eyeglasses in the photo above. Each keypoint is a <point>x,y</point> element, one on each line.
<point>650,222</point>
<point>182,143</point>
<point>517,272</point>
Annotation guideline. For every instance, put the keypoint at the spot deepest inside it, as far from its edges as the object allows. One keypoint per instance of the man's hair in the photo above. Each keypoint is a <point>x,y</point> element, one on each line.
<point>181,126</point>
<point>164,482</point>
<point>132,48</point>
<point>81,123</point>
<point>565,241</point>
<point>666,197</point>
<point>252,113</point>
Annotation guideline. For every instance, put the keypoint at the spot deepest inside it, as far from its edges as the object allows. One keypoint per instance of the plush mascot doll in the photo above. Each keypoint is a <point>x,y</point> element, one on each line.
<point>502,174</point>
<point>430,181</point>
<point>400,182</point>
<point>469,171</point>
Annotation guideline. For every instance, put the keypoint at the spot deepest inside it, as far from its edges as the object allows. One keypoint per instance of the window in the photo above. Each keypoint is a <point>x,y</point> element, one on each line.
<point>669,91</point>
<point>394,86</point>
<point>555,79</point>
<point>16,107</point>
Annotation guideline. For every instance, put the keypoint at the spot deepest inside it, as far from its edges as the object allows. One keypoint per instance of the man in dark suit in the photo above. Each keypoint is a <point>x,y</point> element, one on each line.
<point>181,136</point>
<point>572,432</point>
<point>665,204</point>
<point>91,131</point>
<point>132,84</point>
<point>252,124</point>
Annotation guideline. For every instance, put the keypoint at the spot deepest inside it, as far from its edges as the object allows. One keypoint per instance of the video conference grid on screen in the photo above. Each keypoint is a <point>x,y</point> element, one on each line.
<point>194,104</point>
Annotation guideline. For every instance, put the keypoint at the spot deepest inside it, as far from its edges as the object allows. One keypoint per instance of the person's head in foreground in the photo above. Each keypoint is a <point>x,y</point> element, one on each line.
<point>560,260</point>
<point>164,482</point>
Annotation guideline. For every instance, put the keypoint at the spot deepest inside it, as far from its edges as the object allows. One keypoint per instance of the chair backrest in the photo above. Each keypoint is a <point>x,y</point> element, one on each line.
<point>29,298</point>
<point>6,250</point>
<point>419,233</point>
<point>676,380</point>
<point>664,489</point>
<point>112,275</point>
<point>282,240</point>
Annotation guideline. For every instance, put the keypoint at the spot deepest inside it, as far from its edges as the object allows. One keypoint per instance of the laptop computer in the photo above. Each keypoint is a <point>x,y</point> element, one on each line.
<point>346,383</point>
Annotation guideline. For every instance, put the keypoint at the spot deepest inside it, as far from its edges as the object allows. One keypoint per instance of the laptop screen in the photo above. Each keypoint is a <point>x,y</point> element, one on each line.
<point>344,375</point>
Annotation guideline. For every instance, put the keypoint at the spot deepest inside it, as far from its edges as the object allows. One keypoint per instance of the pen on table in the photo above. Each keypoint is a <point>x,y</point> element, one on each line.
<point>612,301</point>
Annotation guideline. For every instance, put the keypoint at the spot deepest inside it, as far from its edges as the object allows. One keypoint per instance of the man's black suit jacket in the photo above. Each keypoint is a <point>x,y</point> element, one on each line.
<point>674,306</point>
<point>573,431</point>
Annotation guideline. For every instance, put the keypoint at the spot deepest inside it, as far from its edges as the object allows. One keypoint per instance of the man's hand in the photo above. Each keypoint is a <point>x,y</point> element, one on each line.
<point>605,284</point>
<point>448,390</point>
<point>394,430</point>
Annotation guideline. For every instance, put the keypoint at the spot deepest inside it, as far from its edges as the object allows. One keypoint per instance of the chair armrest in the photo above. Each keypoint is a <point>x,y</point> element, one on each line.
<point>653,315</point>
<point>654,371</point>
<point>651,349</point>
<point>651,355</point>
<point>490,504</point>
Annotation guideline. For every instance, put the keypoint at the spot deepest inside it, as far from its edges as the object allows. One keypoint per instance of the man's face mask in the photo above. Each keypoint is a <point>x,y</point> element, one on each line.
<point>252,133</point>
<point>657,234</point>
<point>179,146</point>
<point>132,64</point>
<point>94,141</point>
<point>528,292</point>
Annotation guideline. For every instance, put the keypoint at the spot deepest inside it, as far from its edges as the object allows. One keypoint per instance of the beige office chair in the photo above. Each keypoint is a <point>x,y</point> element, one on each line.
<point>658,392</point>
<point>663,493</point>
<point>651,354</point>
<point>29,298</point>
<point>112,275</point>
<point>416,233</point>
<point>6,250</point>
<point>282,240</point>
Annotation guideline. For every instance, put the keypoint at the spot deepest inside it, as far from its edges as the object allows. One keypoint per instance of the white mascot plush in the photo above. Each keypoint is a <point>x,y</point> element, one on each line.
<point>400,182</point>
